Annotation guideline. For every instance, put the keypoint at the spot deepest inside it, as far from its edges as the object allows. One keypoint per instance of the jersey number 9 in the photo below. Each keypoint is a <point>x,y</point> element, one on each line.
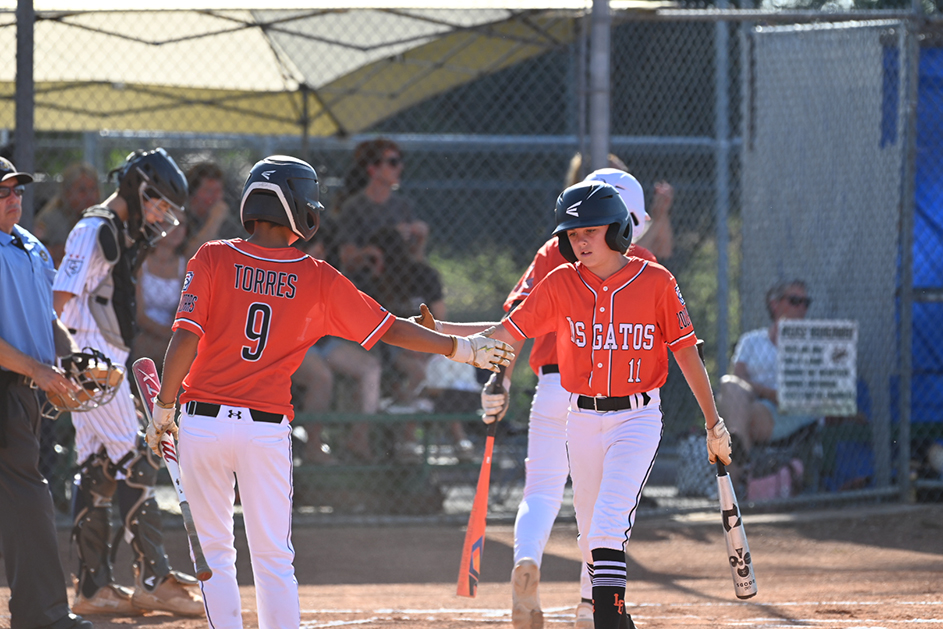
<point>257,327</point>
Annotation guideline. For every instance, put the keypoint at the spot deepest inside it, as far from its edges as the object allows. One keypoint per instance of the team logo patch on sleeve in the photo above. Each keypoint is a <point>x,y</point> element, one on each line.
<point>72,266</point>
<point>678,291</point>
<point>189,277</point>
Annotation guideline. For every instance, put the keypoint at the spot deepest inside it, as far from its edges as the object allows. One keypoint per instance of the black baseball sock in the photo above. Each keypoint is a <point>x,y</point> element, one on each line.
<point>608,588</point>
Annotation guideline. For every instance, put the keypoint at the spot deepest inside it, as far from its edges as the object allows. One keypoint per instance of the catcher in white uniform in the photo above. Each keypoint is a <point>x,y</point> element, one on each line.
<point>94,297</point>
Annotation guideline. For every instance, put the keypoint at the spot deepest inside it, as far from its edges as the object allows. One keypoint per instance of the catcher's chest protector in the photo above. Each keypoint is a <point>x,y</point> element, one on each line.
<point>112,303</point>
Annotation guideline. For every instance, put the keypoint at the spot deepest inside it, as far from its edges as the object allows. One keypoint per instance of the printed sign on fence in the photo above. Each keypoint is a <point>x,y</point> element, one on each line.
<point>817,367</point>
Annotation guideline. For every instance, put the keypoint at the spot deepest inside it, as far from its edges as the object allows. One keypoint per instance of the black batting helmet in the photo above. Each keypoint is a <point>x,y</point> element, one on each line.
<point>590,204</point>
<point>151,175</point>
<point>282,190</point>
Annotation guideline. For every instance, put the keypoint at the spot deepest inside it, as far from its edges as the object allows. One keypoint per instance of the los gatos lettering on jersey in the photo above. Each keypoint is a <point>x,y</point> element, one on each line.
<point>613,335</point>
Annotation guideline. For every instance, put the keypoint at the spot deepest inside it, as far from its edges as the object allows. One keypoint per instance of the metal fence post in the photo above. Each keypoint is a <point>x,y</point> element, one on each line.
<point>599,85</point>
<point>722,173</point>
<point>911,72</point>
<point>24,155</point>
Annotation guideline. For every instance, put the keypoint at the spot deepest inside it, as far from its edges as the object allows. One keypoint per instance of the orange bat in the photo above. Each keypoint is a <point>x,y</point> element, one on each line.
<point>470,568</point>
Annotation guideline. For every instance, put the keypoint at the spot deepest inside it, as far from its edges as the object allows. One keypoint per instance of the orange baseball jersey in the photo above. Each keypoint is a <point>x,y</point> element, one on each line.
<point>257,311</point>
<point>547,258</point>
<point>613,335</point>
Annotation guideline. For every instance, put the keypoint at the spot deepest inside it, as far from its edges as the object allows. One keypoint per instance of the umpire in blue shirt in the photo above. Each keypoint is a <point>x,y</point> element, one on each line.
<point>30,335</point>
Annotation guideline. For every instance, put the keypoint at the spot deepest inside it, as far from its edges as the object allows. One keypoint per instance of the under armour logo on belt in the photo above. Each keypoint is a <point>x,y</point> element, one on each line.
<point>236,414</point>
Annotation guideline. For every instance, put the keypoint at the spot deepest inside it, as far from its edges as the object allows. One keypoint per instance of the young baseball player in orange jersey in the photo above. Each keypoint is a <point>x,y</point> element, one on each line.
<point>615,317</point>
<point>248,312</point>
<point>546,463</point>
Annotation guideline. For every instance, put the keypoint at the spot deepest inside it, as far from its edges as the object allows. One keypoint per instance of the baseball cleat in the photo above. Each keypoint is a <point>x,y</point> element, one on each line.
<point>525,601</point>
<point>175,594</point>
<point>584,616</point>
<point>110,599</point>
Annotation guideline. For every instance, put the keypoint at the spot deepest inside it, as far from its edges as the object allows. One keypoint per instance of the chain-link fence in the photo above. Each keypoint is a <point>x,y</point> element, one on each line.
<point>793,150</point>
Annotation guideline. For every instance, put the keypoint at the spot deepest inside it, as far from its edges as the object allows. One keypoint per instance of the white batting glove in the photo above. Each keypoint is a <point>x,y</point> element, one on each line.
<point>481,351</point>
<point>718,443</point>
<point>162,420</point>
<point>495,405</point>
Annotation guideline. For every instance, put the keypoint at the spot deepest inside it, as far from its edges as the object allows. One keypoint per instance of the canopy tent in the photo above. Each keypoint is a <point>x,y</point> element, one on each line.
<point>332,70</point>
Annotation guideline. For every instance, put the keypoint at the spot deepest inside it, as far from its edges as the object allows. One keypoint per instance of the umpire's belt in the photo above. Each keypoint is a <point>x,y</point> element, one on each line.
<point>603,404</point>
<point>212,410</point>
<point>549,369</point>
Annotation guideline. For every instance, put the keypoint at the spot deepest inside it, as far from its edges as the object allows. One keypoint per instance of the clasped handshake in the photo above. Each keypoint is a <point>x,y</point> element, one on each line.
<point>481,350</point>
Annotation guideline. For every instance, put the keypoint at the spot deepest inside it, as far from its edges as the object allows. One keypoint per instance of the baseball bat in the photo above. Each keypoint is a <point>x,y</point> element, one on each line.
<point>738,549</point>
<point>469,571</point>
<point>145,375</point>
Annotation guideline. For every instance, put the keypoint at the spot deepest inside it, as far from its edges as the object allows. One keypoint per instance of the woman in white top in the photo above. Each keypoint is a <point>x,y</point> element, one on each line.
<point>158,294</point>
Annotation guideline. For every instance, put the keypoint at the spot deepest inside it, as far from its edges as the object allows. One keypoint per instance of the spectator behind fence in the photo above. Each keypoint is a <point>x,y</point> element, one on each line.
<point>158,294</point>
<point>78,190</point>
<point>207,209</point>
<point>329,356</point>
<point>747,399</point>
<point>658,235</point>
<point>402,284</point>
<point>378,165</point>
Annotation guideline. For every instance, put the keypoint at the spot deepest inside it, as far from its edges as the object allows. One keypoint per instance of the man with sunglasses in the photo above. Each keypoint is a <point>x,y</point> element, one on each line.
<point>747,399</point>
<point>30,339</point>
<point>95,296</point>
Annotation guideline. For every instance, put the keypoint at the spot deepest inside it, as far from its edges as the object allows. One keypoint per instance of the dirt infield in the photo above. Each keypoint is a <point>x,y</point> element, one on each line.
<point>873,567</point>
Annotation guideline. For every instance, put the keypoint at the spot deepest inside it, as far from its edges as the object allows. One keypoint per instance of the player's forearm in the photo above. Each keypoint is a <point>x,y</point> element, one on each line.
<point>696,376</point>
<point>177,361</point>
<point>409,335</point>
<point>65,344</point>
<point>59,300</point>
<point>13,359</point>
<point>464,329</point>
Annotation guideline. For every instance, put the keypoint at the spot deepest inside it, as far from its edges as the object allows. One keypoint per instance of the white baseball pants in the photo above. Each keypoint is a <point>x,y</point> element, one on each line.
<point>214,452</point>
<point>546,473</point>
<point>611,457</point>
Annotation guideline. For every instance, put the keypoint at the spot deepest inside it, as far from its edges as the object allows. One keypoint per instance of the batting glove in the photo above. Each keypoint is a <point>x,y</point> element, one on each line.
<point>495,405</point>
<point>162,420</point>
<point>718,443</point>
<point>425,319</point>
<point>481,351</point>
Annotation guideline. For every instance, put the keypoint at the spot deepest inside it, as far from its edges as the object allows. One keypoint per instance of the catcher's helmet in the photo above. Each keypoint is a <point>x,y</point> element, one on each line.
<point>631,192</point>
<point>282,190</point>
<point>151,175</point>
<point>590,204</point>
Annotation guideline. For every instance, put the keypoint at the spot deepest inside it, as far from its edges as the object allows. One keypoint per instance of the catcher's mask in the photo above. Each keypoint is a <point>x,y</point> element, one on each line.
<point>97,377</point>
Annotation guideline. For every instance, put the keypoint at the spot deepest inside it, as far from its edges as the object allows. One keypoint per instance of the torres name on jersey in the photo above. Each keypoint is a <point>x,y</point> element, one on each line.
<point>612,334</point>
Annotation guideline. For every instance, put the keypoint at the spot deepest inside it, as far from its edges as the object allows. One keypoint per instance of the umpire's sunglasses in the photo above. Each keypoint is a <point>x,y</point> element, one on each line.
<point>6,191</point>
<point>795,300</point>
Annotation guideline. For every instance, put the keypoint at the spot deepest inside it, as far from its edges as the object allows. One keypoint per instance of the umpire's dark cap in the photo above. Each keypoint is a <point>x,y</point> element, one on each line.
<point>8,171</point>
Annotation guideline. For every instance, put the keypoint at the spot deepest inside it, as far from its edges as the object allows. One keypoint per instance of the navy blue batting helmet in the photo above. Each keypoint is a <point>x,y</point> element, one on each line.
<point>282,190</point>
<point>591,204</point>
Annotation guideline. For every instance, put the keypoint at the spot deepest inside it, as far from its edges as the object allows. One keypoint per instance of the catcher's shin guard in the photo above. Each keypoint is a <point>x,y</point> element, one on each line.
<point>91,524</point>
<point>141,517</point>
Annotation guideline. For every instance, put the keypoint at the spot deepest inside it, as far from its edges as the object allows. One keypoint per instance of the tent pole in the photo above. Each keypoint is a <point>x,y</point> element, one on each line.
<point>24,155</point>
